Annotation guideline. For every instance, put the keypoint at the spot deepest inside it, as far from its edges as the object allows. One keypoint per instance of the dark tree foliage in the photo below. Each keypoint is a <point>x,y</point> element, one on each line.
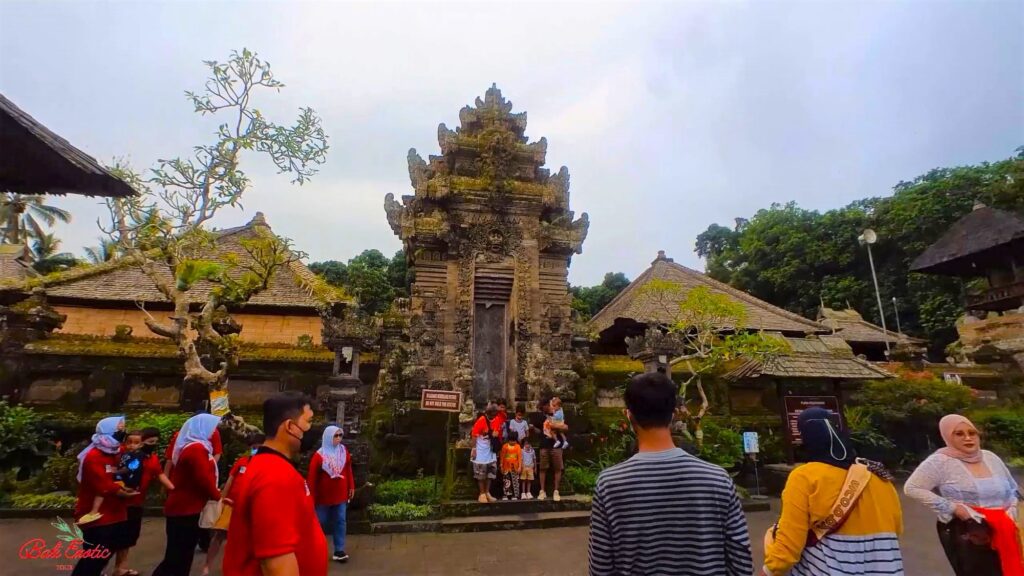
<point>589,300</point>
<point>798,258</point>
<point>373,278</point>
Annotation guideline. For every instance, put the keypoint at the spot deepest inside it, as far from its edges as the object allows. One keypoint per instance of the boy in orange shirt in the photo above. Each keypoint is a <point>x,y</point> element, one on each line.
<point>511,466</point>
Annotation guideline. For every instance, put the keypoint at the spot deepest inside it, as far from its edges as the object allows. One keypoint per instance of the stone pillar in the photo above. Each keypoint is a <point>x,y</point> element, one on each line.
<point>656,349</point>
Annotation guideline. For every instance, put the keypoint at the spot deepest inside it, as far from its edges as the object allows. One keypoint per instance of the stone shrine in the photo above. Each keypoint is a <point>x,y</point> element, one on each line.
<point>489,236</point>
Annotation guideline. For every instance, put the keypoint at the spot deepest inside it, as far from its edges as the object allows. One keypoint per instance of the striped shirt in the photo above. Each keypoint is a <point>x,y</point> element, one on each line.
<point>668,513</point>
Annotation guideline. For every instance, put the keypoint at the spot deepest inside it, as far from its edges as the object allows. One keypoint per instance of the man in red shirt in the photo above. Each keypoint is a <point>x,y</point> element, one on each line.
<point>274,530</point>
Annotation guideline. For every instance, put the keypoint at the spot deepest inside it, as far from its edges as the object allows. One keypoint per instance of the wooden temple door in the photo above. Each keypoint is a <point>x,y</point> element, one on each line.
<point>488,352</point>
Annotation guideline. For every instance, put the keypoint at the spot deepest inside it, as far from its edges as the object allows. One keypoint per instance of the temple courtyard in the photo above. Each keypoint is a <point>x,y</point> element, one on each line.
<point>556,551</point>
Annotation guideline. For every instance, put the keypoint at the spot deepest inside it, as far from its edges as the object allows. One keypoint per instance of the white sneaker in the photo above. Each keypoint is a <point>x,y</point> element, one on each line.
<point>556,497</point>
<point>527,496</point>
<point>491,498</point>
<point>542,496</point>
<point>565,445</point>
<point>558,444</point>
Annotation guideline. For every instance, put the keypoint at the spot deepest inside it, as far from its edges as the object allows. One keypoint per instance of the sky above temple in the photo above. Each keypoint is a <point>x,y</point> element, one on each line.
<point>670,117</point>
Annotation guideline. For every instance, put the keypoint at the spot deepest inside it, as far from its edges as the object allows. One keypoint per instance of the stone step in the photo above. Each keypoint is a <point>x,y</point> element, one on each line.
<point>463,508</point>
<point>516,521</point>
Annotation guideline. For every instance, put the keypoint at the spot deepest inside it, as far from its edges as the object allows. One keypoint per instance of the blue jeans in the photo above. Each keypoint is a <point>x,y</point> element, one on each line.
<point>332,520</point>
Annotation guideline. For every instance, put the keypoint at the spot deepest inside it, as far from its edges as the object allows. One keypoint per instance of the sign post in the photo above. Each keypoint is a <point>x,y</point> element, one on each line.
<point>751,448</point>
<point>441,400</point>
<point>795,405</point>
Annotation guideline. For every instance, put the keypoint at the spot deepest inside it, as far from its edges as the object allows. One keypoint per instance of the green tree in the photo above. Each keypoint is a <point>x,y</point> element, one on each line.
<point>105,251</point>
<point>398,274</point>
<point>373,278</point>
<point>589,300</point>
<point>46,255</point>
<point>798,258</point>
<point>21,215</point>
<point>165,229</point>
<point>333,272</point>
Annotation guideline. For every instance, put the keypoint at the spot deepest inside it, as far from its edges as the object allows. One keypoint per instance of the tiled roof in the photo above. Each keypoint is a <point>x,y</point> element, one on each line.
<point>811,358</point>
<point>633,303</point>
<point>38,161</point>
<point>14,262</point>
<point>982,229</point>
<point>852,327</point>
<point>120,281</point>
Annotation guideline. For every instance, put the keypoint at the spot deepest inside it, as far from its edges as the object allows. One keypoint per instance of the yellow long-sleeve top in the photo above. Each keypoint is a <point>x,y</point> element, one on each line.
<point>866,544</point>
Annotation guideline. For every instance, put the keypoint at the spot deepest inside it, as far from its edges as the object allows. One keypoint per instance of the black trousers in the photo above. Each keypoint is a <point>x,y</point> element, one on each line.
<point>967,548</point>
<point>107,539</point>
<point>182,537</point>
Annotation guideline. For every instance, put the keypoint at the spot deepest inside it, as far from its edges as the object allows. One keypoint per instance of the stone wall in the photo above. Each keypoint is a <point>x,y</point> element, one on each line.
<point>257,328</point>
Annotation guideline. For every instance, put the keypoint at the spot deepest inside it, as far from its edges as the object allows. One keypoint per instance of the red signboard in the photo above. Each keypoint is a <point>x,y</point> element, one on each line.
<point>797,404</point>
<point>442,400</point>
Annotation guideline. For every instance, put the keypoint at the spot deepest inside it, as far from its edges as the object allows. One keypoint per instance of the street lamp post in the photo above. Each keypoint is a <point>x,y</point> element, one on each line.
<point>867,238</point>
<point>896,309</point>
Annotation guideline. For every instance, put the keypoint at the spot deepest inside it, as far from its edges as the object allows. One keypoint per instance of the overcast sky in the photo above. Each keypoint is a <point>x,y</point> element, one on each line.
<point>670,117</point>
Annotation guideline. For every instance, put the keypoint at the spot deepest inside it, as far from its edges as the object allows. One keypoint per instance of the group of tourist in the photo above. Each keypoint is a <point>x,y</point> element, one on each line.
<point>664,511</point>
<point>503,458</point>
<point>268,509</point>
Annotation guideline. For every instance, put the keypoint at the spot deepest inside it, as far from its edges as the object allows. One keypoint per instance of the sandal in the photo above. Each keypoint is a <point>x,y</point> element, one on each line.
<point>126,573</point>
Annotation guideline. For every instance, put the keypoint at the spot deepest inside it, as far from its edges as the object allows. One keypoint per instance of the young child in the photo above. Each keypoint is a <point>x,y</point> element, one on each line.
<point>511,466</point>
<point>139,466</point>
<point>557,417</point>
<point>520,426</point>
<point>219,532</point>
<point>529,465</point>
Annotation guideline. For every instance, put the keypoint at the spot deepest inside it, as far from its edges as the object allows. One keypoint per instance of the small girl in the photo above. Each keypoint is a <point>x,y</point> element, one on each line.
<point>511,466</point>
<point>558,417</point>
<point>529,465</point>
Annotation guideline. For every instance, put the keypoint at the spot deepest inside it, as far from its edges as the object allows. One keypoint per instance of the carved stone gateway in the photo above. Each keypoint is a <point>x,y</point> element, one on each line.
<point>489,236</point>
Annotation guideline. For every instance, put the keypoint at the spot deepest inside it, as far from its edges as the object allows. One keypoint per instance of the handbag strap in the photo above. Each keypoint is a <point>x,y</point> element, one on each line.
<point>857,478</point>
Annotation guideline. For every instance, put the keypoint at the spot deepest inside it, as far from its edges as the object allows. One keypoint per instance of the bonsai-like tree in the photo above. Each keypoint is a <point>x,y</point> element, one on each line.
<point>164,230</point>
<point>711,328</point>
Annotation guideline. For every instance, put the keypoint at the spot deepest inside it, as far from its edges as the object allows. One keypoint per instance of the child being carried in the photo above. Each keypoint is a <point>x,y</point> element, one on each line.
<point>558,418</point>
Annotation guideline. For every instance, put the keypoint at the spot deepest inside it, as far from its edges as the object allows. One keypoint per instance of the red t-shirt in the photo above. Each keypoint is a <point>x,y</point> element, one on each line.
<point>273,516</point>
<point>150,470</point>
<point>329,491</point>
<point>498,424</point>
<point>238,467</point>
<point>195,482</point>
<point>218,447</point>
<point>480,427</point>
<point>98,470</point>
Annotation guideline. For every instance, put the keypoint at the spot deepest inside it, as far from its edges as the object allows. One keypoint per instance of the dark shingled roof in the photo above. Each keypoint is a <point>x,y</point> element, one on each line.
<point>37,161</point>
<point>814,357</point>
<point>121,281</point>
<point>632,303</point>
<point>852,327</point>
<point>15,262</point>
<point>979,231</point>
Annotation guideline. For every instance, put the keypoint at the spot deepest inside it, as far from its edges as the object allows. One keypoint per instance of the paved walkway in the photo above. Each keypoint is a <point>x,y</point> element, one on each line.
<point>559,551</point>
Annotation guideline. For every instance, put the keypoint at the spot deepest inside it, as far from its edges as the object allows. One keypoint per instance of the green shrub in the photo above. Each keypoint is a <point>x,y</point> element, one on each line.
<point>722,446</point>
<point>166,422</point>
<point>418,491</point>
<point>582,479</point>
<point>400,511</point>
<point>23,440</point>
<point>52,501</point>
<point>58,474</point>
<point>1003,431</point>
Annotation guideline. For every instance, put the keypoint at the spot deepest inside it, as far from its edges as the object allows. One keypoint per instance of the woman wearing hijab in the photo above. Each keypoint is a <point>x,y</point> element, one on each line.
<point>194,475</point>
<point>816,535</point>
<point>97,466</point>
<point>332,485</point>
<point>975,498</point>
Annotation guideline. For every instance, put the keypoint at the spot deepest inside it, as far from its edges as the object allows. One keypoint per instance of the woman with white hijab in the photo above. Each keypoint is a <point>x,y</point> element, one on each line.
<point>97,467</point>
<point>332,485</point>
<point>194,476</point>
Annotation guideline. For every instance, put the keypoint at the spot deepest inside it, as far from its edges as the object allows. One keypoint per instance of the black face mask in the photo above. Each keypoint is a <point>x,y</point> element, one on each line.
<point>148,448</point>
<point>120,435</point>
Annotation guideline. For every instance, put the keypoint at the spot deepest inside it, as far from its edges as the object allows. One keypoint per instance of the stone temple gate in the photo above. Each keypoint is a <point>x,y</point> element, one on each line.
<point>489,236</point>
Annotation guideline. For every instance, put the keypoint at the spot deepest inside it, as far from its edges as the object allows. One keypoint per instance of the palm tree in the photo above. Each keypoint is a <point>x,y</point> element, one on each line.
<point>21,214</point>
<point>45,255</point>
<point>106,251</point>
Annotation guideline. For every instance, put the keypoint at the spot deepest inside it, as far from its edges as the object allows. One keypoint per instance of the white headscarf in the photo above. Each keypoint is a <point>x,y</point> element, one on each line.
<point>196,430</point>
<point>103,440</point>
<point>334,457</point>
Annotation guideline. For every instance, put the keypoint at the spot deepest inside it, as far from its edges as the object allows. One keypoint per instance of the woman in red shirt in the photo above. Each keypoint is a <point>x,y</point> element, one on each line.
<point>97,465</point>
<point>194,475</point>
<point>332,485</point>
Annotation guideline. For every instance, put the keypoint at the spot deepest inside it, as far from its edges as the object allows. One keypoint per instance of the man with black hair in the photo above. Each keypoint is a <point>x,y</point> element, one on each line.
<point>274,529</point>
<point>664,511</point>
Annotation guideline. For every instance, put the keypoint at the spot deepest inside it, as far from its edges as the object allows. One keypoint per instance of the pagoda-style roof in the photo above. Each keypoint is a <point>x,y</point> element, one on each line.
<point>35,160</point>
<point>487,166</point>
<point>852,327</point>
<point>635,304</point>
<point>15,262</point>
<point>294,287</point>
<point>819,357</point>
<point>973,243</point>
